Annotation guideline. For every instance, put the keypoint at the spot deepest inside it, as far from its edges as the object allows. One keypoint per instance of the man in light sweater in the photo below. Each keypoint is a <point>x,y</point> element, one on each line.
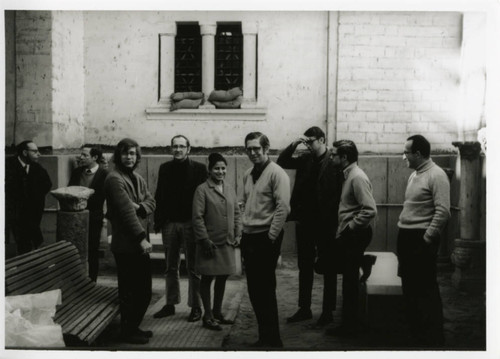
<point>266,198</point>
<point>426,210</point>
<point>357,209</point>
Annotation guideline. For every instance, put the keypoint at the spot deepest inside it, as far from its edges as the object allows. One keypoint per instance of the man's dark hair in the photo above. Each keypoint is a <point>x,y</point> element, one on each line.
<point>22,146</point>
<point>314,132</point>
<point>94,151</point>
<point>123,146</point>
<point>263,140</point>
<point>180,136</point>
<point>348,148</point>
<point>420,144</point>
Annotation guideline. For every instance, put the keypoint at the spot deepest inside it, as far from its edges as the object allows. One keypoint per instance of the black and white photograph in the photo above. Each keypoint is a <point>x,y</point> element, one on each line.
<point>250,179</point>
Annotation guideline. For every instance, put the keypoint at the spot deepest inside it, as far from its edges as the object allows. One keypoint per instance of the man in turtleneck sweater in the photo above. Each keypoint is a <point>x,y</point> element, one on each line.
<point>426,210</point>
<point>314,202</point>
<point>177,182</point>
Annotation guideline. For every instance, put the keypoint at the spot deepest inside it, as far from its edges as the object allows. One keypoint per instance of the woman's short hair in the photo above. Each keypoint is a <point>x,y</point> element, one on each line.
<point>213,158</point>
<point>122,147</point>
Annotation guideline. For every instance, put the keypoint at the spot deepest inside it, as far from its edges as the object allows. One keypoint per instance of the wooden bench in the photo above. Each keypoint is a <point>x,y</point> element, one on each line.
<point>86,308</point>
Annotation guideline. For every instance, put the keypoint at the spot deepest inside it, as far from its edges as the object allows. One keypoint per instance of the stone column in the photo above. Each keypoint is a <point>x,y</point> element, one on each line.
<point>208,32</point>
<point>167,63</point>
<point>469,255</point>
<point>249,30</point>
<point>74,227</point>
<point>73,218</point>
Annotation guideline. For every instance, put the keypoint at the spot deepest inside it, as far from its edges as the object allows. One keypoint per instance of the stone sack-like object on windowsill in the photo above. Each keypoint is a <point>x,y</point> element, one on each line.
<point>186,100</point>
<point>72,198</point>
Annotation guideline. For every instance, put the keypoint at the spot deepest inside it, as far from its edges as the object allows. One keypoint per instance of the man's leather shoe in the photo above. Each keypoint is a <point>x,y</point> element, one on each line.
<point>166,311</point>
<point>300,315</point>
<point>195,314</point>
<point>220,318</point>
<point>366,265</point>
<point>324,319</point>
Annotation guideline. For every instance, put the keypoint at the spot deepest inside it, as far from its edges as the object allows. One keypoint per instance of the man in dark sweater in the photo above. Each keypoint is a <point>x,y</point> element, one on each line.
<point>177,182</point>
<point>315,200</point>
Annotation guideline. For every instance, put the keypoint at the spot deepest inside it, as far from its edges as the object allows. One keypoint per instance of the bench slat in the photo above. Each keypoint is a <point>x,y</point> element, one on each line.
<point>42,273</point>
<point>74,307</point>
<point>83,289</point>
<point>86,314</point>
<point>90,333</point>
<point>38,253</point>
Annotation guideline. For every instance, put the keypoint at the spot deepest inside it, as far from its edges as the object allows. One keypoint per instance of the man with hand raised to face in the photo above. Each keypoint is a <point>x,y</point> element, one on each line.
<point>314,202</point>
<point>177,182</point>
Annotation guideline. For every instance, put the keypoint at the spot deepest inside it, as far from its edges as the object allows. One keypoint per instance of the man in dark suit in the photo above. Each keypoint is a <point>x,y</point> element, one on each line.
<point>26,184</point>
<point>315,200</point>
<point>177,182</point>
<point>90,174</point>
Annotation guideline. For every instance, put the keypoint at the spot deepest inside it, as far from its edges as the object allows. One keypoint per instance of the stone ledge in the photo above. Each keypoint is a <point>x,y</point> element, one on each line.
<point>206,114</point>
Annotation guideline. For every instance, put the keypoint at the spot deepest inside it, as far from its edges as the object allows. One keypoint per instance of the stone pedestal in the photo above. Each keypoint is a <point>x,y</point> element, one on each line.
<point>74,227</point>
<point>469,255</point>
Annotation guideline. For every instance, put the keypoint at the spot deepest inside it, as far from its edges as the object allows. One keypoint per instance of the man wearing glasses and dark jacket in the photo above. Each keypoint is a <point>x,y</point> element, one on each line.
<point>314,202</point>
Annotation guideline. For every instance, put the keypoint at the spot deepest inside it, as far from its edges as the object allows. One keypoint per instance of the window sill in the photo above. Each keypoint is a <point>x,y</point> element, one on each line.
<point>247,113</point>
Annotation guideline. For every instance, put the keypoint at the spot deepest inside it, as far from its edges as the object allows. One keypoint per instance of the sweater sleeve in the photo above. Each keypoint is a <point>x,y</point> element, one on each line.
<point>285,159</point>
<point>281,192</point>
<point>199,228</point>
<point>440,187</point>
<point>118,199</point>
<point>362,190</point>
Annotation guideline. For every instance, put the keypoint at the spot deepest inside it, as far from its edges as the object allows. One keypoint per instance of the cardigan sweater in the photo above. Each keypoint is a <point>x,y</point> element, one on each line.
<point>128,228</point>
<point>216,215</point>
<point>267,201</point>
<point>357,206</point>
<point>427,200</point>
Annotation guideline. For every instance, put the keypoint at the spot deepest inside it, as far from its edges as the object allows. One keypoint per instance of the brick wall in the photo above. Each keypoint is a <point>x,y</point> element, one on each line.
<point>398,74</point>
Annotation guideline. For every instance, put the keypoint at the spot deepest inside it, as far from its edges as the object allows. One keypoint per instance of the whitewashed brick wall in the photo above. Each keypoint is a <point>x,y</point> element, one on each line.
<point>398,75</point>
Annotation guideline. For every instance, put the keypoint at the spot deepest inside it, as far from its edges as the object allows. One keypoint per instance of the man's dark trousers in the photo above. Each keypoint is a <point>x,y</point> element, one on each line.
<point>417,268</point>
<point>350,247</point>
<point>312,242</point>
<point>135,288</point>
<point>260,257</point>
<point>95,228</point>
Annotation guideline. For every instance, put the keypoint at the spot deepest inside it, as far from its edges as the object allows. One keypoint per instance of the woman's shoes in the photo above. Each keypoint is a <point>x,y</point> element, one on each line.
<point>211,324</point>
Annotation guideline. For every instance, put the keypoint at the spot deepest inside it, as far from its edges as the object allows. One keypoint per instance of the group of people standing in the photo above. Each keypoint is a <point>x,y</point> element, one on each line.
<point>196,209</point>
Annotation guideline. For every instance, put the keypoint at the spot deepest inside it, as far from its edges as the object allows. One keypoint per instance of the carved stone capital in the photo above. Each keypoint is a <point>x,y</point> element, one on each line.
<point>469,150</point>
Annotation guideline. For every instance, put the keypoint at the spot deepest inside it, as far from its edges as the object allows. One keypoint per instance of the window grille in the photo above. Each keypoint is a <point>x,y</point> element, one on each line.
<point>228,56</point>
<point>188,58</point>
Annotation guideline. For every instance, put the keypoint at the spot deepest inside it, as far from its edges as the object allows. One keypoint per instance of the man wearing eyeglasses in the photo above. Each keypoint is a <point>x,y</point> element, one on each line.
<point>266,197</point>
<point>177,182</point>
<point>26,185</point>
<point>357,209</point>
<point>426,211</point>
<point>314,202</point>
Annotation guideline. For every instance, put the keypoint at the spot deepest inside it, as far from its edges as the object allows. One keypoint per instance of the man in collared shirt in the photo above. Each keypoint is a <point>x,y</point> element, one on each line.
<point>90,174</point>
<point>357,209</point>
<point>426,210</point>
<point>26,185</point>
<point>266,197</point>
